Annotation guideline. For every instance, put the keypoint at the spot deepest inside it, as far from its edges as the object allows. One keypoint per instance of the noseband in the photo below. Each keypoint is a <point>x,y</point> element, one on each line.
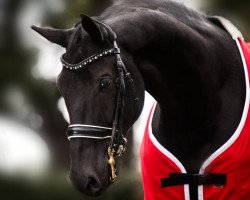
<point>115,134</point>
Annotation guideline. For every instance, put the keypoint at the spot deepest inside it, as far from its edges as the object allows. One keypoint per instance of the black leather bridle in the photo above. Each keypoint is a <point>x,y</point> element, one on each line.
<point>115,134</point>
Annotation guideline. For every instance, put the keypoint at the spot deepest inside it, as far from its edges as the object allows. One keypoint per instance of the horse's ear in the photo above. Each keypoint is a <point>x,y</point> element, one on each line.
<point>95,31</point>
<point>57,36</point>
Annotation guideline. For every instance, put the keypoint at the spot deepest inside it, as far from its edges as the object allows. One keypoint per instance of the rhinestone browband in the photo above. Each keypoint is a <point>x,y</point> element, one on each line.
<point>90,59</point>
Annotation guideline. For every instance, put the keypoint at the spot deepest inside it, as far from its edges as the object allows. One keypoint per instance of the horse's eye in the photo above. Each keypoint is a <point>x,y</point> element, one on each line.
<point>105,83</point>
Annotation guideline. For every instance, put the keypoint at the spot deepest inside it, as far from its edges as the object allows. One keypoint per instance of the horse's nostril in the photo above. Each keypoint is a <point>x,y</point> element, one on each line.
<point>93,185</point>
<point>89,185</point>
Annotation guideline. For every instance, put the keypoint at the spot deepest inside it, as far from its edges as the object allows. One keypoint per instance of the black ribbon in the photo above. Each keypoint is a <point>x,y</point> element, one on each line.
<point>193,180</point>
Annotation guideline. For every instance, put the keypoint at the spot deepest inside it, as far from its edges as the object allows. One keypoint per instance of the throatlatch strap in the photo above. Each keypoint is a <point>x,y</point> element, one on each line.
<point>193,180</point>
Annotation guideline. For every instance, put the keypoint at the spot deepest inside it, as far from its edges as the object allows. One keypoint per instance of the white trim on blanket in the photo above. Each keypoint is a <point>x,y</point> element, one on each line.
<point>239,128</point>
<point>167,153</point>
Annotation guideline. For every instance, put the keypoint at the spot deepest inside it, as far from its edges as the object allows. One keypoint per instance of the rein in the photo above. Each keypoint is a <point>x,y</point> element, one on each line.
<point>115,134</point>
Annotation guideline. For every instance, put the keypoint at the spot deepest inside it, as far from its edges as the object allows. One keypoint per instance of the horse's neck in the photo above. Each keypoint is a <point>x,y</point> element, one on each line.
<point>197,77</point>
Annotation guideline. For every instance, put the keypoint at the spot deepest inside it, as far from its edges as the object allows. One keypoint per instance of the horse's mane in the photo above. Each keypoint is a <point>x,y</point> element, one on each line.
<point>171,7</point>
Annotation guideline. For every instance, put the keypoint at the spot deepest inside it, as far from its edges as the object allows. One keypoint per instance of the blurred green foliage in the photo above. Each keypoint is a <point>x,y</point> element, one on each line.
<point>237,11</point>
<point>73,11</point>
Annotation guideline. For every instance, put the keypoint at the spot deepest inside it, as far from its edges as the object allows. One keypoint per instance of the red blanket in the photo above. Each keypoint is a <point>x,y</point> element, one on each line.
<point>232,159</point>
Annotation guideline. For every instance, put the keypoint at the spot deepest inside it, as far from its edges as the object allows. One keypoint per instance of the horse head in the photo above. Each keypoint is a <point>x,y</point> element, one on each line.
<point>104,95</point>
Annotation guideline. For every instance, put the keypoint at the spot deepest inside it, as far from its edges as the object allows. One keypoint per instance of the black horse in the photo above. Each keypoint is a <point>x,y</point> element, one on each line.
<point>186,60</point>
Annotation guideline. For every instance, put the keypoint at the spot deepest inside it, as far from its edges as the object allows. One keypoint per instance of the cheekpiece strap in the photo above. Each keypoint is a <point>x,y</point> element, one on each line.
<point>89,60</point>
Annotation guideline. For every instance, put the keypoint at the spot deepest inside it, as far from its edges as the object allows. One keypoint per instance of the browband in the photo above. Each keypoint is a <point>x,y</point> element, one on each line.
<point>90,59</point>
